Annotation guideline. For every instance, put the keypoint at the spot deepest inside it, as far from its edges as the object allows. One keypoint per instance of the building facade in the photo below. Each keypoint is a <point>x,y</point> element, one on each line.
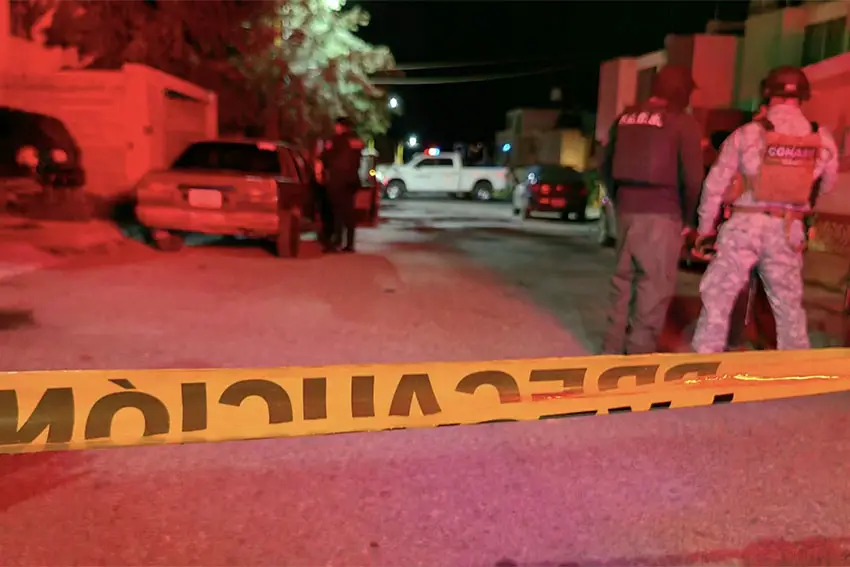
<point>125,121</point>
<point>533,136</point>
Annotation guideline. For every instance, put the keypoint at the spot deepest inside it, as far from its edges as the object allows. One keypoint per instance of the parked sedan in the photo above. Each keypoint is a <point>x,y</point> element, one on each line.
<point>551,189</point>
<point>242,187</point>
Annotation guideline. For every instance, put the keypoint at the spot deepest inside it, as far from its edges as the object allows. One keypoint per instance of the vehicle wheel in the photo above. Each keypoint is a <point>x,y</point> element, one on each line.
<point>483,191</point>
<point>395,189</point>
<point>167,240</point>
<point>288,239</point>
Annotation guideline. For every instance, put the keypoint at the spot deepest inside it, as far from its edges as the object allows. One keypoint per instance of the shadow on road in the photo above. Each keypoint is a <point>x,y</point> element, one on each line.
<point>39,473</point>
<point>11,319</point>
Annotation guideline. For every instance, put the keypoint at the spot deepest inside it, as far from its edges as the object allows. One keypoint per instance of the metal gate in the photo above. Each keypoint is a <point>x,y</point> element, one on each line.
<point>185,123</point>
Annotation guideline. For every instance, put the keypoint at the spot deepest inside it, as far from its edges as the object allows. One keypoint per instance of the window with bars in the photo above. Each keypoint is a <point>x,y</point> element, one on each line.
<point>824,40</point>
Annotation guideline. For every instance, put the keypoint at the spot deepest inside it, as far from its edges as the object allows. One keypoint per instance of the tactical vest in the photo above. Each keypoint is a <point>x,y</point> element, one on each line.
<point>786,172</point>
<point>646,148</point>
<point>342,160</point>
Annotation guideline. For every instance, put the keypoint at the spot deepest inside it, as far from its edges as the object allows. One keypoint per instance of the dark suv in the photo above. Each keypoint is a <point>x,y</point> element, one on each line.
<point>59,164</point>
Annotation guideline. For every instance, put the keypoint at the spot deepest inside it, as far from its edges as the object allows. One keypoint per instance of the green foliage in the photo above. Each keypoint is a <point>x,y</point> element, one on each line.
<point>285,66</point>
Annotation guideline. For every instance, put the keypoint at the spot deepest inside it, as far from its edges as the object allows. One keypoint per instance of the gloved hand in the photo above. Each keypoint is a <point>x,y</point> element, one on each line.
<point>703,246</point>
<point>702,239</point>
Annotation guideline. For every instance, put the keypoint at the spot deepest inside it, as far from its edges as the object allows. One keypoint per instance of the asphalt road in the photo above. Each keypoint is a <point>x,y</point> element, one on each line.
<point>757,484</point>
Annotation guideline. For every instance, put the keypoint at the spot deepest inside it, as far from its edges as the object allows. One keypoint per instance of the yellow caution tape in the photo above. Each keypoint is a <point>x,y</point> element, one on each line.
<point>89,409</point>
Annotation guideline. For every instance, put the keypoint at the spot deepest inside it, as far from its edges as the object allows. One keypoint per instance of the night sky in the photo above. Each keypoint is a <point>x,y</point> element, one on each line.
<point>553,33</point>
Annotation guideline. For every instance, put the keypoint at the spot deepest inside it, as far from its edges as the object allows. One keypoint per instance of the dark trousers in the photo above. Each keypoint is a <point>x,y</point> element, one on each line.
<point>322,201</point>
<point>644,281</point>
<point>344,213</point>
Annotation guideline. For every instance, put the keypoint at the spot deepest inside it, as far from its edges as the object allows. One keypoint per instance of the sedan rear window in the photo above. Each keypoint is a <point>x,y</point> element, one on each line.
<point>229,156</point>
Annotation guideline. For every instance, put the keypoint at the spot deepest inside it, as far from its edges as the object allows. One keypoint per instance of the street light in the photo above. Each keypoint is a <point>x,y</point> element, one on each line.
<point>412,142</point>
<point>393,102</point>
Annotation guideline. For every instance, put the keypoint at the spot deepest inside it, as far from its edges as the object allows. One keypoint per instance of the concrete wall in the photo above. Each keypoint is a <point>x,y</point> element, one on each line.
<point>617,85</point>
<point>124,121</point>
<point>524,129</point>
<point>830,80</point>
<point>5,31</point>
<point>533,120</point>
<point>568,147</point>
<point>91,105</point>
<point>776,38</point>
<point>713,63</point>
<point>575,149</point>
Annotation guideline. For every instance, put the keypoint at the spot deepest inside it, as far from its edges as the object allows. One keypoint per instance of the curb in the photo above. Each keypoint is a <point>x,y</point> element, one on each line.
<point>22,254</point>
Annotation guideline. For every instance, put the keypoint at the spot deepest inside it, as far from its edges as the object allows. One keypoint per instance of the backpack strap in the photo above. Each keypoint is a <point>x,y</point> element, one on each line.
<point>766,124</point>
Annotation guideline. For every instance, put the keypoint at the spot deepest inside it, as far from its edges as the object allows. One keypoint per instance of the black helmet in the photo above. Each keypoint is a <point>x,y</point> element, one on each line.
<point>674,83</point>
<point>786,82</point>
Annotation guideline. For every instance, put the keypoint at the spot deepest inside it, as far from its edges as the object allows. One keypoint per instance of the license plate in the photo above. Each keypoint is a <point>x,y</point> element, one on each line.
<point>363,199</point>
<point>204,199</point>
<point>559,203</point>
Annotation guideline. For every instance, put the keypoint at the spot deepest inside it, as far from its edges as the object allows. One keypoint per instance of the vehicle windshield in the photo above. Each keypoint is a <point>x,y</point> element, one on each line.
<point>230,156</point>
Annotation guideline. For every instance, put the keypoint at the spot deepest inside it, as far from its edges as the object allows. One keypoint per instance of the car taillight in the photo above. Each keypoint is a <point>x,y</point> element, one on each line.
<point>559,188</point>
<point>155,187</point>
<point>266,193</point>
<point>154,191</point>
<point>545,189</point>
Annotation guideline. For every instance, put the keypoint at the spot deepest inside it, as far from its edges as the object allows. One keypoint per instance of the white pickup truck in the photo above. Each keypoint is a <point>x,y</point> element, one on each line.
<point>435,172</point>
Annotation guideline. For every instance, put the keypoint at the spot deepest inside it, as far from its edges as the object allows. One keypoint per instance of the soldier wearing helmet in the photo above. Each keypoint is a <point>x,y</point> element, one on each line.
<point>779,157</point>
<point>653,164</point>
<point>341,165</point>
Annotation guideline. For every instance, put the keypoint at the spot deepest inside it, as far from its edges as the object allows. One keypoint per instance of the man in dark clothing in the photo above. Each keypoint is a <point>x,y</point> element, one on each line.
<point>341,161</point>
<point>653,165</point>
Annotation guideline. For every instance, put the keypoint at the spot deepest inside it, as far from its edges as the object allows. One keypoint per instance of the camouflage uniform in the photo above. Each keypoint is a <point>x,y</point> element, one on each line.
<point>760,240</point>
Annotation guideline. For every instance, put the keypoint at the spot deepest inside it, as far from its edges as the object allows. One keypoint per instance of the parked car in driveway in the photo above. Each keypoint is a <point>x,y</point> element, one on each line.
<point>253,188</point>
<point>38,157</point>
<point>551,189</point>
<point>435,172</point>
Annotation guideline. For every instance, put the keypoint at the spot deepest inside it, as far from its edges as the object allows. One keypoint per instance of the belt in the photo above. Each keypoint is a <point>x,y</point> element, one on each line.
<point>771,212</point>
<point>787,215</point>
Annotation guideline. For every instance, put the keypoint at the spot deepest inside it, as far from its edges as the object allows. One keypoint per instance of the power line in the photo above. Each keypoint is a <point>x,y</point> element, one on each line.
<point>466,64</point>
<point>467,79</point>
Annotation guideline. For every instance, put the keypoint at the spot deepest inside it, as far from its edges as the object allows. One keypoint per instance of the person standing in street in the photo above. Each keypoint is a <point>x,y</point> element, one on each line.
<point>322,201</point>
<point>654,166</point>
<point>779,157</point>
<point>341,165</point>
